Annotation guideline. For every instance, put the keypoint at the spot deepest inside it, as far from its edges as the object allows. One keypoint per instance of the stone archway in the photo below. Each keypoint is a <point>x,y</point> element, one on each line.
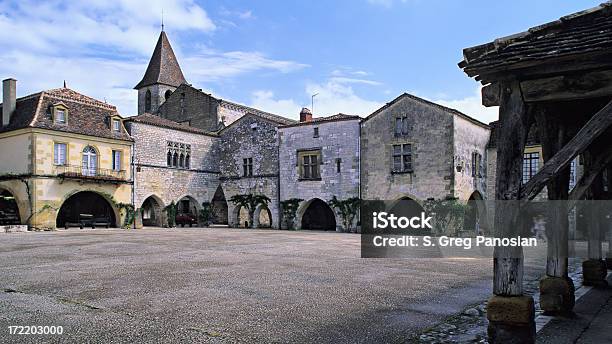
<point>262,217</point>
<point>476,220</point>
<point>9,210</point>
<point>409,207</point>
<point>317,215</point>
<point>152,212</point>
<point>85,209</point>
<point>219,208</point>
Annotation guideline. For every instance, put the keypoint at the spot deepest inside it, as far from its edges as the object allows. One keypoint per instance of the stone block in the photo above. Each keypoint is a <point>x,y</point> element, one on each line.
<point>511,309</point>
<point>557,295</point>
<point>594,272</point>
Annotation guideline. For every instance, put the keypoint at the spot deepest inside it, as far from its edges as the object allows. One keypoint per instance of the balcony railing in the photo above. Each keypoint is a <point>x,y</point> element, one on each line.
<point>81,172</point>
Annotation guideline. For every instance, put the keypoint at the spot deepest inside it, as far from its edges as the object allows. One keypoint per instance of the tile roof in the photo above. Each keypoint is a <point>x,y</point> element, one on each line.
<point>317,120</point>
<point>157,121</point>
<point>163,67</point>
<point>86,115</point>
<point>249,110</point>
<point>589,31</point>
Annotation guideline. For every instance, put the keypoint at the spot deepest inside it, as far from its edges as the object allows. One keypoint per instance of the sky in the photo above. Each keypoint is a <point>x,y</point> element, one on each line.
<point>356,55</point>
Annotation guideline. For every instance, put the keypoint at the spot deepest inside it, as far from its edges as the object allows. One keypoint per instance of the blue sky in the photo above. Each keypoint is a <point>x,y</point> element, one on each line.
<point>357,54</point>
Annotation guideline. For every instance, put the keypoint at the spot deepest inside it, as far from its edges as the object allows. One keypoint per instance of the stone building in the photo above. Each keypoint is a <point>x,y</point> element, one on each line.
<point>65,160</point>
<point>319,160</point>
<point>172,163</point>
<point>249,164</point>
<point>162,77</point>
<point>415,150</point>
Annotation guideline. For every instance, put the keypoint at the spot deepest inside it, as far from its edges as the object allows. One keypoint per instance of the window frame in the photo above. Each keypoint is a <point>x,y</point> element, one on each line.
<point>55,155</point>
<point>530,164</point>
<point>309,163</point>
<point>116,125</point>
<point>400,126</point>
<point>117,156</point>
<point>247,167</point>
<point>404,157</point>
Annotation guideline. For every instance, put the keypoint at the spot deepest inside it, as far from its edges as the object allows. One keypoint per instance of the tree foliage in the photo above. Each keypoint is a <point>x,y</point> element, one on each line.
<point>250,202</point>
<point>289,209</point>
<point>205,211</point>
<point>348,210</point>
<point>170,210</point>
<point>448,214</point>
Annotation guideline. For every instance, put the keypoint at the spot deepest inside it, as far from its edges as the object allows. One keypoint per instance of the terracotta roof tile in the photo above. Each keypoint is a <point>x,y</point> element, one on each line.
<point>157,121</point>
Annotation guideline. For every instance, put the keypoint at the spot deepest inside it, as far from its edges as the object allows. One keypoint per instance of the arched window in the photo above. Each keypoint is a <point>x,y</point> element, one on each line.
<point>167,94</point>
<point>182,160</point>
<point>169,159</point>
<point>90,161</point>
<point>148,101</point>
<point>187,162</point>
<point>175,160</point>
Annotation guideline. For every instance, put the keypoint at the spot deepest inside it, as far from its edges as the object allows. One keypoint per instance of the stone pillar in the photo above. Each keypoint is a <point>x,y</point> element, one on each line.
<point>511,314</point>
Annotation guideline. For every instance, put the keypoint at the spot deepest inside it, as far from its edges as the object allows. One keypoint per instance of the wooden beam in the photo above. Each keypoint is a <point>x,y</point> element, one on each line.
<point>600,162</point>
<point>591,130</point>
<point>491,94</point>
<point>568,87</point>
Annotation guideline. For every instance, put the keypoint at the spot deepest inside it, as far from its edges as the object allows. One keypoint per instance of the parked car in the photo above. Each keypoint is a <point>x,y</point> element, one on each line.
<point>89,220</point>
<point>185,219</point>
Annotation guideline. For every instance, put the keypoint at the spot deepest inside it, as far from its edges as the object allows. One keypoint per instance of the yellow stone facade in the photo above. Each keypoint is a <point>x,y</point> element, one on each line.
<point>29,173</point>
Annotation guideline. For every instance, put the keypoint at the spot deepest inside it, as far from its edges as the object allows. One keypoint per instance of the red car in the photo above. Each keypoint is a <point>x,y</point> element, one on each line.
<point>185,219</point>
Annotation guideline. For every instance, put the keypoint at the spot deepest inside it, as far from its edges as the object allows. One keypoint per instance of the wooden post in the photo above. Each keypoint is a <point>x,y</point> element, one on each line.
<point>608,215</point>
<point>517,325</point>
<point>556,288</point>
<point>594,268</point>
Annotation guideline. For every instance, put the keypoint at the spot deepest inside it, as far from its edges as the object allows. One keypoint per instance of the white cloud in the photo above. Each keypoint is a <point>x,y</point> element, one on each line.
<point>333,96</point>
<point>472,106</point>
<point>212,65</point>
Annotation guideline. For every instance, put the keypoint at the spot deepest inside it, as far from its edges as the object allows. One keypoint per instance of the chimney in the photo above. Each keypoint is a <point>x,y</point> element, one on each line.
<point>9,96</point>
<point>305,115</point>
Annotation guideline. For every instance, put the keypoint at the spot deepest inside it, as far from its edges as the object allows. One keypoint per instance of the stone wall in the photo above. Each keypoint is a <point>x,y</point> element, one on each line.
<point>154,178</point>
<point>336,140</point>
<point>469,137</point>
<point>431,134</point>
<point>193,107</point>
<point>250,137</point>
<point>158,96</point>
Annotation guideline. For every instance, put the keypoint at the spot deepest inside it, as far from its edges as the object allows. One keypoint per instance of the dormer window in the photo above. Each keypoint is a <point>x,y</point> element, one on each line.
<point>60,114</point>
<point>116,125</point>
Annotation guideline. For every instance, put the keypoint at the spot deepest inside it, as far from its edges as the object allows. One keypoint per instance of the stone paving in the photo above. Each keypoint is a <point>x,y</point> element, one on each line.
<point>220,285</point>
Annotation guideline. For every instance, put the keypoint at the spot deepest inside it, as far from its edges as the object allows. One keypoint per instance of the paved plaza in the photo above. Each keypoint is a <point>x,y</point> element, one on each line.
<point>224,285</point>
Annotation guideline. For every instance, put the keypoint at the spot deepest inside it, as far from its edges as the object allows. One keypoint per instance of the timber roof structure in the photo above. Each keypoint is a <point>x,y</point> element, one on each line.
<point>583,34</point>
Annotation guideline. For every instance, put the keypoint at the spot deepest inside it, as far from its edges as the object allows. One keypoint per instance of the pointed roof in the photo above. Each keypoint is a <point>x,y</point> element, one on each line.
<point>163,67</point>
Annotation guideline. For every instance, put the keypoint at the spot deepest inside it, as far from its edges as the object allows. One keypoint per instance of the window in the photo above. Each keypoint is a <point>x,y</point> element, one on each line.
<point>247,167</point>
<point>60,116</point>
<point>178,155</point>
<point>402,158</point>
<point>116,160</point>
<point>338,163</point>
<point>59,154</point>
<point>90,161</point>
<point>530,165</point>
<point>116,125</point>
<point>316,132</point>
<point>401,126</point>
<point>167,94</point>
<point>147,104</point>
<point>309,163</point>
<point>476,165</point>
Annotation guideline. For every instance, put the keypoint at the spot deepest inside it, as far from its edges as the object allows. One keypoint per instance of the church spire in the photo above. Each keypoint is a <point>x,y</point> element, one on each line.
<point>163,67</point>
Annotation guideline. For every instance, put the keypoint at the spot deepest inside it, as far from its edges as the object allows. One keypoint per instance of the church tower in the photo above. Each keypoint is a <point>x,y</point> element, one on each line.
<point>162,77</point>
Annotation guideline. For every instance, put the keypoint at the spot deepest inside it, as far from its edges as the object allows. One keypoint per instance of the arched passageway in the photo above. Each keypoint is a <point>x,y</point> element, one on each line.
<point>475,221</point>
<point>152,211</point>
<point>319,216</point>
<point>409,208</point>
<point>242,219</point>
<point>187,211</point>
<point>219,208</point>
<point>264,218</point>
<point>86,209</point>
<point>9,211</point>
